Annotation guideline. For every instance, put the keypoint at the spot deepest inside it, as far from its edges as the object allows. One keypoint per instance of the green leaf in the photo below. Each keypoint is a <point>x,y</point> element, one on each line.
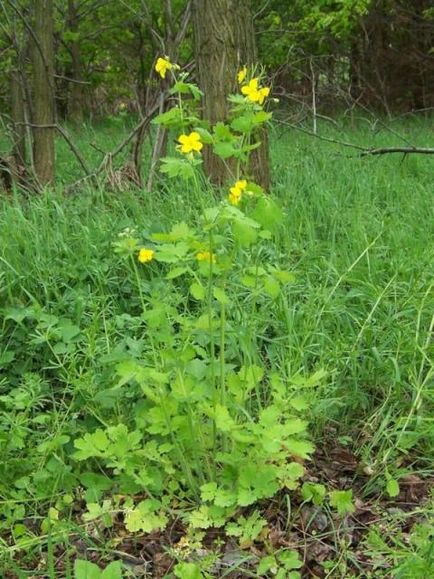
<point>268,213</point>
<point>251,375</point>
<point>96,511</point>
<point>94,444</point>
<point>220,296</point>
<point>172,252</point>
<point>260,480</point>
<point>267,564</point>
<point>6,358</point>
<point>244,123</point>
<point>248,281</point>
<point>222,132</point>
<point>112,571</point>
<point>283,276</point>
<point>299,403</point>
<point>179,232</point>
<point>86,570</point>
<point>18,314</point>
<point>313,492</point>
<point>145,517</point>
<point>205,136</point>
<point>176,272</point>
<point>223,419</point>
<point>188,571</point>
<point>289,559</point>
<point>309,381</point>
<point>67,330</point>
<point>225,150</point>
<point>172,118</point>
<point>174,167</point>
<point>249,148</point>
<point>53,444</point>
<point>342,501</point>
<point>201,518</point>
<point>246,497</point>
<point>186,88</point>
<point>262,117</point>
<point>300,448</point>
<point>248,121</point>
<point>392,487</point>
<point>225,498</point>
<point>244,233</point>
<point>197,291</point>
<point>272,287</point>
<point>291,473</point>
<point>208,491</point>
<point>129,370</point>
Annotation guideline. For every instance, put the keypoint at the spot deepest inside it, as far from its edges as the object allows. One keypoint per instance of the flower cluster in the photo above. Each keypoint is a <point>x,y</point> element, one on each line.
<point>225,143</point>
<point>236,192</point>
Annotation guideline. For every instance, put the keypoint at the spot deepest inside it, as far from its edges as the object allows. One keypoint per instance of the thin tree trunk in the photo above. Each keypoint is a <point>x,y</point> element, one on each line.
<point>43,92</point>
<point>76,92</point>
<point>224,42</point>
<point>18,120</point>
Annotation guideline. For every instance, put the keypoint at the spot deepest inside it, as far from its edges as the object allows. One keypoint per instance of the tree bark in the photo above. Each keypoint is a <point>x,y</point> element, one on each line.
<point>18,120</point>
<point>43,92</point>
<point>224,42</point>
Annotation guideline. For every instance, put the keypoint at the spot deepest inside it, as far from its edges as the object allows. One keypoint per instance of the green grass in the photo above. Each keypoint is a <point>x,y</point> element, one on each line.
<point>359,236</point>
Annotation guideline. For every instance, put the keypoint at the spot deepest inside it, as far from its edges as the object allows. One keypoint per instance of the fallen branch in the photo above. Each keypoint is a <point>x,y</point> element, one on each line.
<point>404,150</point>
<point>321,138</point>
<point>364,151</point>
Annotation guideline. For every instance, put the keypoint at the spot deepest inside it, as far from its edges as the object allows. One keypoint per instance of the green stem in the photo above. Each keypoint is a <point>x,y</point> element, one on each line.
<point>212,342</point>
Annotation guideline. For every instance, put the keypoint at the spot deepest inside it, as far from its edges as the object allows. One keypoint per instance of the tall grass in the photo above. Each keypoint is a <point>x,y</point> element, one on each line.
<point>358,235</point>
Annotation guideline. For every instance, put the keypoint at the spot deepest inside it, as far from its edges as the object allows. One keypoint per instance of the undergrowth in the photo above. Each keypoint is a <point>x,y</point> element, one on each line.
<point>177,387</point>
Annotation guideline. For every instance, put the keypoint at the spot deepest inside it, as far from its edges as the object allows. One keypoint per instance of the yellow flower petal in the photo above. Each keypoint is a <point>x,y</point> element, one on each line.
<point>263,93</point>
<point>242,75</point>
<point>190,142</point>
<point>234,198</point>
<point>236,191</point>
<point>162,66</point>
<point>146,255</point>
<point>253,93</point>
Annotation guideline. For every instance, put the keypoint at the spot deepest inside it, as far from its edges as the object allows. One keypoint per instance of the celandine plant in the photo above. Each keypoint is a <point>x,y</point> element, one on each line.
<point>208,426</point>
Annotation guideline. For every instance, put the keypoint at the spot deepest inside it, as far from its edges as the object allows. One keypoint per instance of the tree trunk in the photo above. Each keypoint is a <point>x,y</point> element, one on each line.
<point>43,92</point>
<point>224,42</point>
<point>76,92</point>
<point>18,120</point>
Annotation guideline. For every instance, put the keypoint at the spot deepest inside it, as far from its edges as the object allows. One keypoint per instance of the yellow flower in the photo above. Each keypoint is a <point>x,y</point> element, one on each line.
<point>146,255</point>
<point>189,143</point>
<point>162,66</point>
<point>236,192</point>
<point>242,75</point>
<point>254,93</point>
<point>206,256</point>
<point>263,93</point>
